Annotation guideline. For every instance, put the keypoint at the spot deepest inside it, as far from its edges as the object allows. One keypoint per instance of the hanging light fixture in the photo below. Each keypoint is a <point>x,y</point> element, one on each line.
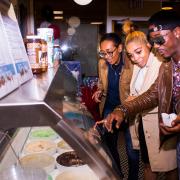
<point>74,21</point>
<point>82,2</point>
<point>166,5</point>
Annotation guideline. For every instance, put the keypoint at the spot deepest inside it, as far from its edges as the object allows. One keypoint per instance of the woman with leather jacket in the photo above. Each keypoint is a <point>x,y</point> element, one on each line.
<point>164,32</point>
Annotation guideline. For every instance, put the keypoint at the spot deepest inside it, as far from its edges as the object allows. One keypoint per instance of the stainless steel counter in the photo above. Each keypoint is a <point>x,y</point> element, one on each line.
<point>39,102</point>
<point>32,91</point>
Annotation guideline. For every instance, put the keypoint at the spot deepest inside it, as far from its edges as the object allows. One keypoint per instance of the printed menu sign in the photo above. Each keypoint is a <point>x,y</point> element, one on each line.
<point>8,75</point>
<point>14,64</point>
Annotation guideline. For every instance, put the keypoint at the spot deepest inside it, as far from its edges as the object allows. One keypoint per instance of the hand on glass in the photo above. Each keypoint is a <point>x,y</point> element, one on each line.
<point>93,136</point>
<point>116,115</point>
<point>174,129</point>
<point>97,96</point>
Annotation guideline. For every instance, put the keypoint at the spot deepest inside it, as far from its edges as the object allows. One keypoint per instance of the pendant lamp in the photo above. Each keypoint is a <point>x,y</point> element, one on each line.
<point>82,2</point>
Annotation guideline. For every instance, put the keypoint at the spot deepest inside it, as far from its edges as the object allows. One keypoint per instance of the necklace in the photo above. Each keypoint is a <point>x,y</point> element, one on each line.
<point>116,68</point>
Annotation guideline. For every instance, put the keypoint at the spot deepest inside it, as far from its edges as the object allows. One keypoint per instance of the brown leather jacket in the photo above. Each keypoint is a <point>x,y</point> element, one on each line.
<point>159,94</point>
<point>124,81</point>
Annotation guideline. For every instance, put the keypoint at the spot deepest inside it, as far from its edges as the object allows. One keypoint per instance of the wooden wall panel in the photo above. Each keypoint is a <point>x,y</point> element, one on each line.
<point>122,8</point>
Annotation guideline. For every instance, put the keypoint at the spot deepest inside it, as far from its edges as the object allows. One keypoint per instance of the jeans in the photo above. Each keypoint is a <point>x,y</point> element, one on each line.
<point>110,140</point>
<point>133,157</point>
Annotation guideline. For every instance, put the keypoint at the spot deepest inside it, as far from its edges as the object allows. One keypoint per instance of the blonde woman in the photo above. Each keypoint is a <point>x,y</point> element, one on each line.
<point>145,134</point>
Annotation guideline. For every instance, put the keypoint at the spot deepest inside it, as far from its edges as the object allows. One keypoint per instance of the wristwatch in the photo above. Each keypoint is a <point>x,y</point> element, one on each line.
<point>122,109</point>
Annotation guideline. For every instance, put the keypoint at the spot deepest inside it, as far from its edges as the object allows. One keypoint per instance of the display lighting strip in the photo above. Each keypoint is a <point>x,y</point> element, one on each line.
<point>57,12</point>
<point>96,23</point>
<point>58,17</point>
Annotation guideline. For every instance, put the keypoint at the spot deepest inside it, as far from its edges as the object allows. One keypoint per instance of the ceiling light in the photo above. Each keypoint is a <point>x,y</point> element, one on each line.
<point>58,17</point>
<point>74,21</point>
<point>57,12</point>
<point>71,31</point>
<point>96,22</point>
<point>82,2</point>
<point>167,8</point>
<point>167,5</point>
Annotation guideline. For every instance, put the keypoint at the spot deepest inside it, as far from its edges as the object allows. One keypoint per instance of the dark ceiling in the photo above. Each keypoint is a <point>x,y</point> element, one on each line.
<point>95,11</point>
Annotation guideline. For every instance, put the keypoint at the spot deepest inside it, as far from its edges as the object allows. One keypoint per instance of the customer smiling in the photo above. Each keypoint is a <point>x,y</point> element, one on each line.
<point>109,86</point>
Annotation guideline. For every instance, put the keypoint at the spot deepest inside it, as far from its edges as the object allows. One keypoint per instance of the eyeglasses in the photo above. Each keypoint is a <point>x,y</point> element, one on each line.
<point>103,54</point>
<point>160,40</point>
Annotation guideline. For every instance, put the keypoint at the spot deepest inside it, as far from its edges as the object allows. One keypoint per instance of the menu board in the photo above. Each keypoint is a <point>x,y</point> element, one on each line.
<point>14,64</point>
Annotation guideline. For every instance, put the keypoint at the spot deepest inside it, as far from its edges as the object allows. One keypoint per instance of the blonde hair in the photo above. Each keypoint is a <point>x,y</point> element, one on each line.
<point>127,26</point>
<point>137,36</point>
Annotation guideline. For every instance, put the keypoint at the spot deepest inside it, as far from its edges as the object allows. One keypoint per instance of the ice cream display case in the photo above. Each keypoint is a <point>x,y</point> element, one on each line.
<point>51,129</point>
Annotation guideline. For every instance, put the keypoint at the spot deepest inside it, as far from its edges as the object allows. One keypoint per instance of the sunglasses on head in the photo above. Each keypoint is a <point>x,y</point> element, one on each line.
<point>157,40</point>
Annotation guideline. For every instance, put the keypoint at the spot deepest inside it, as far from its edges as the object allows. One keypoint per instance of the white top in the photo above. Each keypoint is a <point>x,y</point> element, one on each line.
<point>140,79</point>
<point>145,78</point>
<point>138,83</point>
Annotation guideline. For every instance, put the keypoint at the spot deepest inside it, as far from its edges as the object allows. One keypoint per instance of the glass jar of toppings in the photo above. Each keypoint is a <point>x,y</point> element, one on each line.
<point>33,46</point>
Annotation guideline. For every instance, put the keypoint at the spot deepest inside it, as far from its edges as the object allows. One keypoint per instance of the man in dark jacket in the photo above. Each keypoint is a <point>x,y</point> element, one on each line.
<point>164,33</point>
